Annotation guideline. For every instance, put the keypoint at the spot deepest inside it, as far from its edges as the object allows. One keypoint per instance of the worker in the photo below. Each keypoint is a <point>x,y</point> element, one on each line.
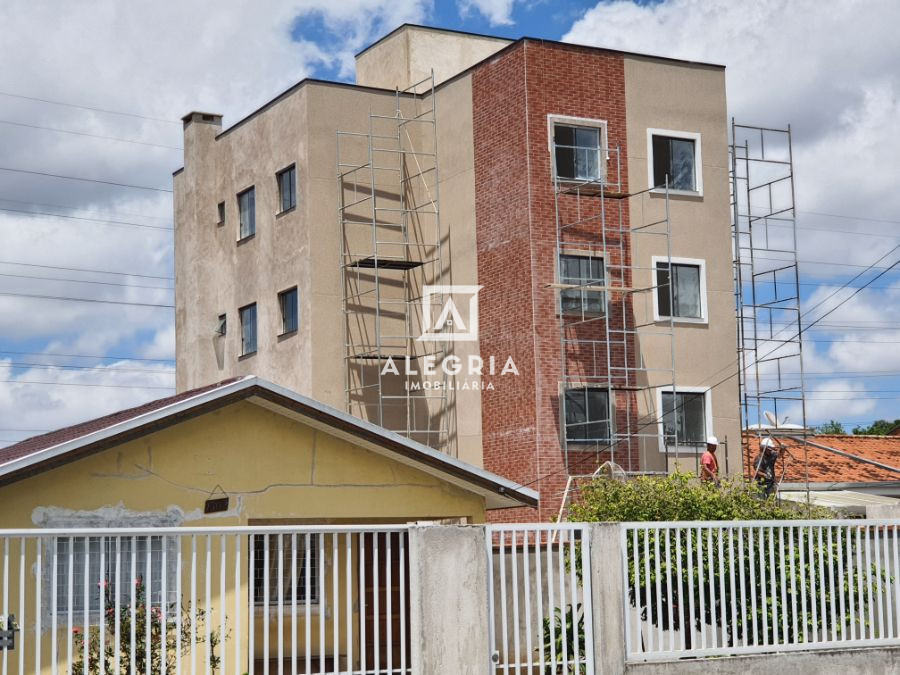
<point>709,465</point>
<point>764,466</point>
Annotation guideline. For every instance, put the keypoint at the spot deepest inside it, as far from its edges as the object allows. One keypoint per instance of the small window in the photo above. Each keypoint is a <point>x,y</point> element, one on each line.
<point>685,301</point>
<point>247,211</point>
<point>306,558</point>
<point>129,551</point>
<point>287,188</point>
<point>222,324</point>
<point>577,152</point>
<point>587,415</point>
<point>674,160</point>
<point>685,411</point>
<point>221,212</point>
<point>582,271</point>
<point>287,301</point>
<point>248,329</point>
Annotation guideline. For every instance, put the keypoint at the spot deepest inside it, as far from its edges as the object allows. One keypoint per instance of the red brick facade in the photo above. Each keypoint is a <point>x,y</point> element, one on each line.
<point>512,96</point>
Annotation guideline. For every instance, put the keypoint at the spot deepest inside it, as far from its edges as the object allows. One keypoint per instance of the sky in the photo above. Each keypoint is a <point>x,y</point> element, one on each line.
<point>72,69</point>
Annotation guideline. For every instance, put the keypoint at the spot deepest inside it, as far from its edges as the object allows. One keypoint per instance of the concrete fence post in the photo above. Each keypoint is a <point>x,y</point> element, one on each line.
<point>608,595</point>
<point>448,592</point>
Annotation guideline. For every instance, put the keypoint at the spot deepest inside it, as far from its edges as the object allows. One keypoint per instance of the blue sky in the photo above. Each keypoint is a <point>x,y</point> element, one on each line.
<point>832,75</point>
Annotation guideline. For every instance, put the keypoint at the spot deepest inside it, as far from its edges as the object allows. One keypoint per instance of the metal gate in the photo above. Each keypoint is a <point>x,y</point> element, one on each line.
<point>540,610</point>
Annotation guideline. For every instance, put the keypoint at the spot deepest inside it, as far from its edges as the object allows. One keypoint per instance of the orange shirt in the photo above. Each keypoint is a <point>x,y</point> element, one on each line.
<point>709,462</point>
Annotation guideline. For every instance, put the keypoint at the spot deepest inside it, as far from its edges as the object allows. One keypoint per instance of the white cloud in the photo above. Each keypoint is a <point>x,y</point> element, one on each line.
<point>497,12</point>
<point>157,60</point>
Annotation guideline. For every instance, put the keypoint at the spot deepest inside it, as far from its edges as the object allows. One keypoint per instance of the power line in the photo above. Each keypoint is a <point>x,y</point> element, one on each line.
<point>860,218</point>
<point>84,133</point>
<point>86,356</point>
<point>114,223</point>
<point>730,376</point>
<point>84,281</point>
<point>112,369</point>
<point>84,269</point>
<point>88,384</point>
<point>78,208</point>
<point>86,107</point>
<point>107,302</point>
<point>86,180</point>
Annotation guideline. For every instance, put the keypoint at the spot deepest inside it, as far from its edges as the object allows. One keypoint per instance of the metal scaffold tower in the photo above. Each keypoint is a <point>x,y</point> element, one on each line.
<point>614,348</point>
<point>391,244</point>
<point>767,282</point>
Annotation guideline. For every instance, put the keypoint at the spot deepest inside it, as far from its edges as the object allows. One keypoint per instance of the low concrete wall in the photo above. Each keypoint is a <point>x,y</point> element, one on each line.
<point>844,661</point>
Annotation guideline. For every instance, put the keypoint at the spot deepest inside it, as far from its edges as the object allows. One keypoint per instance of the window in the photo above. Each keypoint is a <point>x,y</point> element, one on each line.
<point>675,156</point>
<point>222,325</point>
<point>287,188</point>
<point>685,411</point>
<point>221,212</point>
<point>287,301</point>
<point>587,414</point>
<point>247,210</point>
<point>248,329</point>
<point>306,558</point>
<point>126,550</point>
<point>688,289</point>
<point>577,151</point>
<point>582,271</point>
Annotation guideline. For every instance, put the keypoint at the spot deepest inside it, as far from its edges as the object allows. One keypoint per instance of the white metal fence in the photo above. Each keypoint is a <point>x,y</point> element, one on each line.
<point>225,600</point>
<point>717,588</point>
<point>541,619</point>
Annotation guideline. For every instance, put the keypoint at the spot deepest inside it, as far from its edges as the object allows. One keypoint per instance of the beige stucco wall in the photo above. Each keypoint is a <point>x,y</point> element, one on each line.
<point>409,54</point>
<point>215,274</point>
<point>683,97</point>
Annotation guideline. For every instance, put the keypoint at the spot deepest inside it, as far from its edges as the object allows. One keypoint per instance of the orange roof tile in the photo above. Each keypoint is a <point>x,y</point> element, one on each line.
<point>832,467</point>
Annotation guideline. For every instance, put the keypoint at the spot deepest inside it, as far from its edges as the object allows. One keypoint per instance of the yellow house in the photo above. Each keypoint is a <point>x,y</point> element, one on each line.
<point>309,549</point>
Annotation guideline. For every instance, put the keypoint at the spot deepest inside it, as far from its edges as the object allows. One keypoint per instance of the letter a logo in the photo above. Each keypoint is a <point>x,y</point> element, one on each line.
<point>450,324</point>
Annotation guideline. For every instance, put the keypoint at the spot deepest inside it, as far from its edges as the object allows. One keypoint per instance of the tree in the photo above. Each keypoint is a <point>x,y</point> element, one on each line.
<point>163,641</point>
<point>831,427</point>
<point>877,428</point>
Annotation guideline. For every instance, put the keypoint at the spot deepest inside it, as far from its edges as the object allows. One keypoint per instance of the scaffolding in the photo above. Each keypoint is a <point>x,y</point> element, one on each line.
<point>391,243</point>
<point>767,283</point>
<point>613,342</point>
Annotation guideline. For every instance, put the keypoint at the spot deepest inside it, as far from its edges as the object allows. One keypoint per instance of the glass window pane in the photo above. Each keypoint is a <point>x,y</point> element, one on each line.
<point>565,162</point>
<point>248,329</point>
<point>587,137</point>
<point>663,298</point>
<point>687,291</point>
<point>563,135</point>
<point>247,210</point>
<point>694,419</point>
<point>682,164</point>
<point>661,161</point>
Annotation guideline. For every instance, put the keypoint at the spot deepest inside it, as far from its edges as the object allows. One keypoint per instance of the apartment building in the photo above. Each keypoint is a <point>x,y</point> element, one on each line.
<point>517,252</point>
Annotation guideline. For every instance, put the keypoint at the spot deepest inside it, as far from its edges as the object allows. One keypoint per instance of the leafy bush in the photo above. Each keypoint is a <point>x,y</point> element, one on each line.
<point>564,625</point>
<point>718,572</point>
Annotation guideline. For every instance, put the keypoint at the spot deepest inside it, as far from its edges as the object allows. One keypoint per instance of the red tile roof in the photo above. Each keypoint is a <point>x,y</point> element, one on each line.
<point>48,440</point>
<point>834,467</point>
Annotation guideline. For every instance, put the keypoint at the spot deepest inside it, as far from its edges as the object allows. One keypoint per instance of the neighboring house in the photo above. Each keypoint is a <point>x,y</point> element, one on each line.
<point>273,453</point>
<point>535,171</point>
<point>243,452</point>
<point>847,472</point>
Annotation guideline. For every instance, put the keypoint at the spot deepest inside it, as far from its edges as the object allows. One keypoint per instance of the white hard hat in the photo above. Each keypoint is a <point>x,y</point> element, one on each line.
<point>712,440</point>
<point>766,443</point>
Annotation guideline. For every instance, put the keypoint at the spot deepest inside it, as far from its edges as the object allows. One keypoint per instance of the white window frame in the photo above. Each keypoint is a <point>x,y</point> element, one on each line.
<point>568,120</point>
<point>698,160</point>
<point>707,414</point>
<point>696,262</point>
<point>316,604</point>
